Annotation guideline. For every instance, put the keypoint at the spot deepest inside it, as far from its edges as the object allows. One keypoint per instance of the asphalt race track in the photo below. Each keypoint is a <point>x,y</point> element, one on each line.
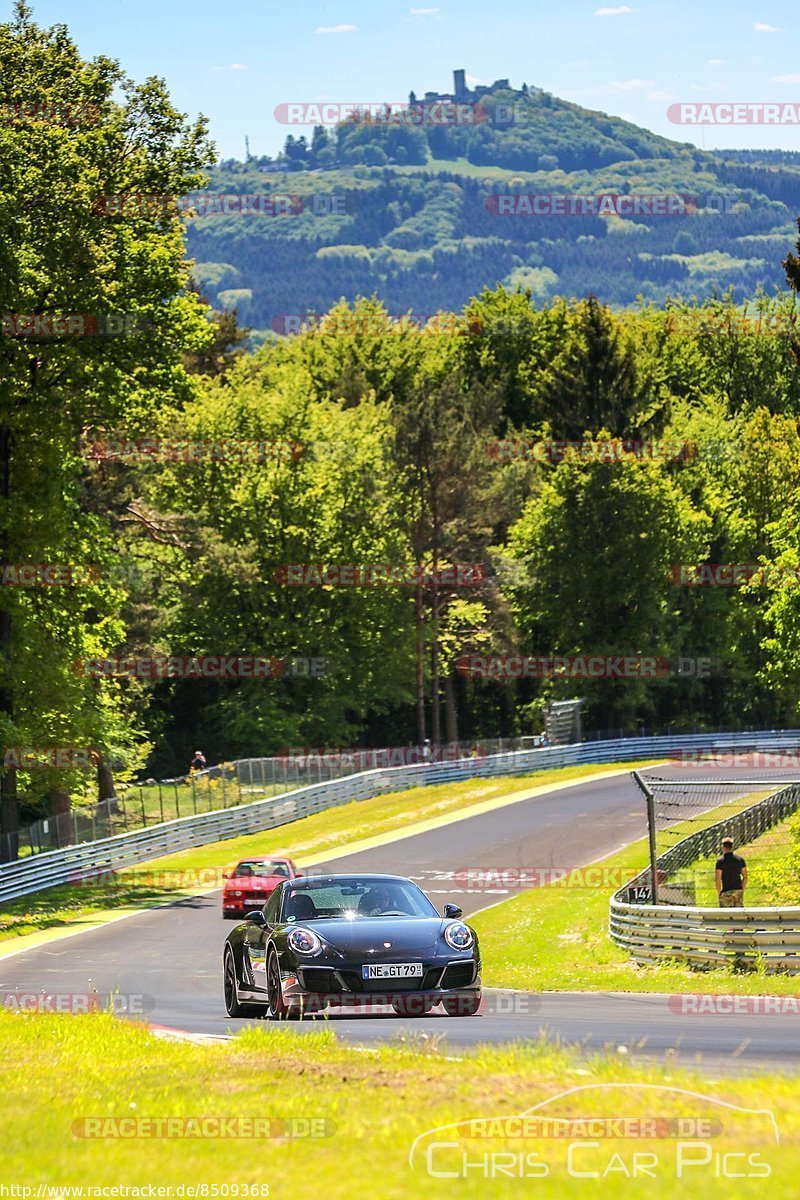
<point>172,956</point>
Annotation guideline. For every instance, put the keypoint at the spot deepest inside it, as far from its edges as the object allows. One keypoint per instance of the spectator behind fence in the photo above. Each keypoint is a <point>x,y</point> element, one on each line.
<point>198,762</point>
<point>731,877</point>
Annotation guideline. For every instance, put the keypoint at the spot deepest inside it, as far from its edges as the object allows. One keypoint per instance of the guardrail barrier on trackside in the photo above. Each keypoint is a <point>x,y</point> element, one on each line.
<point>40,871</point>
<point>712,937</point>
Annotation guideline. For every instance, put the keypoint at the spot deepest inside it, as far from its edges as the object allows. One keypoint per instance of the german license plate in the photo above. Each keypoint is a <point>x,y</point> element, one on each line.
<point>391,970</point>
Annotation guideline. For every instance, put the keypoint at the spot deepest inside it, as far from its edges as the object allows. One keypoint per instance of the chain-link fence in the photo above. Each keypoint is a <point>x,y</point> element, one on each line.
<point>134,806</point>
<point>688,820</point>
<point>154,801</point>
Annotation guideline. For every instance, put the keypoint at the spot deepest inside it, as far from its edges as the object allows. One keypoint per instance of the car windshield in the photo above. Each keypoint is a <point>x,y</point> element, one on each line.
<point>354,899</point>
<point>261,867</point>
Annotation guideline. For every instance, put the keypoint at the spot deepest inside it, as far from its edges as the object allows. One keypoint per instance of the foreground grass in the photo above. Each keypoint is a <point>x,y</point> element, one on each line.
<point>58,1071</point>
<point>555,938</point>
<point>177,875</point>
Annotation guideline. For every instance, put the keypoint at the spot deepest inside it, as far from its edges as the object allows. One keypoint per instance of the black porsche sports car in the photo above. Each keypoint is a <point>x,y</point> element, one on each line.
<point>351,940</point>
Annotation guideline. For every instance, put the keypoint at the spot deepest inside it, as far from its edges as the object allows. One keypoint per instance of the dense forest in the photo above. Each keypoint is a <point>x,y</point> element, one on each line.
<point>369,506</point>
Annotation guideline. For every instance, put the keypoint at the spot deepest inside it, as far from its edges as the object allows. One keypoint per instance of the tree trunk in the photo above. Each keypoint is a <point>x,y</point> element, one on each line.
<point>436,710</point>
<point>420,620</point>
<point>450,711</point>
<point>9,816</point>
<point>105,782</point>
<point>65,824</point>
<point>9,808</point>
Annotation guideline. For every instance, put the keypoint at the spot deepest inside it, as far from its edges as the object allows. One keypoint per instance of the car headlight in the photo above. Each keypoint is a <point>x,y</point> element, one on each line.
<point>458,935</point>
<point>304,941</point>
<point>236,893</point>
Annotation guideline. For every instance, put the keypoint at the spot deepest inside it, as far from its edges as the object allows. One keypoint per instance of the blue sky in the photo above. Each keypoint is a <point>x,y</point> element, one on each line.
<point>236,61</point>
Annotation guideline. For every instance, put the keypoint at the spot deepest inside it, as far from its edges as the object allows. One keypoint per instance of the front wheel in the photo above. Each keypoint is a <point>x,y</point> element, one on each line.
<point>279,1010</point>
<point>232,1005</point>
<point>461,1006</point>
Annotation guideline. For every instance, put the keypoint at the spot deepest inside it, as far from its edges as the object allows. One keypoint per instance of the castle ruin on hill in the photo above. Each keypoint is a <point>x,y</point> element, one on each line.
<point>461,94</point>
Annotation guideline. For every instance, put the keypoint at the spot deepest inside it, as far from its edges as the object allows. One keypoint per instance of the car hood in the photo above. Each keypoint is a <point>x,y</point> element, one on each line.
<point>364,935</point>
<point>255,883</point>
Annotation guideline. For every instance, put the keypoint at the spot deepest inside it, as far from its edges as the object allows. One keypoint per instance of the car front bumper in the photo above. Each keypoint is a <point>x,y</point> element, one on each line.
<point>322,986</point>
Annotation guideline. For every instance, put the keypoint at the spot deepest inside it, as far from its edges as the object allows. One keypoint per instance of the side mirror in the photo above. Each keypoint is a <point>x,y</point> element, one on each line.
<point>298,874</point>
<point>226,874</point>
<point>452,910</point>
<point>256,918</point>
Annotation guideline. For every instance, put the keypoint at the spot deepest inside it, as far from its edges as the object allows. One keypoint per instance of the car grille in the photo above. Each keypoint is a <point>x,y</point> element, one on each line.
<point>372,986</point>
<point>458,975</point>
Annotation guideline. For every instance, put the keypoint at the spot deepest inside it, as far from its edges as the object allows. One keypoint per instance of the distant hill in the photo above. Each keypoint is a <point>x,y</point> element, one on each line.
<point>425,212</point>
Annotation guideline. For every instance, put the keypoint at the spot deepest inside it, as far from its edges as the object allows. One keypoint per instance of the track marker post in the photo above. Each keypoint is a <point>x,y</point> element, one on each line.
<point>651,832</point>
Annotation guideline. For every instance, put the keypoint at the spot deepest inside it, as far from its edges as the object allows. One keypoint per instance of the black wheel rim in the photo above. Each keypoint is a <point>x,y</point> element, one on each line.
<point>273,987</point>
<point>229,984</point>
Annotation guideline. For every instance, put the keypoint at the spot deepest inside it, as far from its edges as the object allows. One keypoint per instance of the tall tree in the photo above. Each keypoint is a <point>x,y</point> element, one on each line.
<point>94,321</point>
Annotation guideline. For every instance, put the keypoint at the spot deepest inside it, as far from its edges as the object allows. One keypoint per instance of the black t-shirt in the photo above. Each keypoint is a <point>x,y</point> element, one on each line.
<point>731,866</point>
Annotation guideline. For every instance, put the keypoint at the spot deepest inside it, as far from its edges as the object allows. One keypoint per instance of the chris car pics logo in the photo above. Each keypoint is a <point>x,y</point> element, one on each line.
<point>606,1131</point>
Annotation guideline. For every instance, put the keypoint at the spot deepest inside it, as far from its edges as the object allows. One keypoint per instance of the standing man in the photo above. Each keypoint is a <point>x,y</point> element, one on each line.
<point>731,877</point>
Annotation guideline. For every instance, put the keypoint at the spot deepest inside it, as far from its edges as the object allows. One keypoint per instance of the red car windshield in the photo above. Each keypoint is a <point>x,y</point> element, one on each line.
<point>262,868</point>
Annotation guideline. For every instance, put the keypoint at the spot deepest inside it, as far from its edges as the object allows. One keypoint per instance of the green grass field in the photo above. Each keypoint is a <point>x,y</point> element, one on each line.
<point>555,938</point>
<point>76,1089</point>
<point>164,879</point>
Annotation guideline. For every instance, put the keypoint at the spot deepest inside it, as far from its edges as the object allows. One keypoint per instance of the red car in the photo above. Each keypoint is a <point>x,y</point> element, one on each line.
<point>250,882</point>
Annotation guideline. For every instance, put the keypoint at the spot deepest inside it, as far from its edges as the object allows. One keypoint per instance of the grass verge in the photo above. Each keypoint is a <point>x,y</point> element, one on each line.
<point>177,875</point>
<point>58,1071</point>
<point>555,938</point>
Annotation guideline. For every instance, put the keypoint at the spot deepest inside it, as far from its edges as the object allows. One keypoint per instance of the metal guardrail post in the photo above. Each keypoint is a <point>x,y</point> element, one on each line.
<point>651,833</point>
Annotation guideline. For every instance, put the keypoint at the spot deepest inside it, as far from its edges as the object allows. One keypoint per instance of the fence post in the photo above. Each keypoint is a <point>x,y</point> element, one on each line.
<point>144,816</point>
<point>177,801</point>
<point>651,833</point>
<point>161,801</point>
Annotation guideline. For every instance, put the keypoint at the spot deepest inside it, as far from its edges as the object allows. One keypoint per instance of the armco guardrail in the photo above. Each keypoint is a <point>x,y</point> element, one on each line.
<point>713,937</point>
<point>45,870</point>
